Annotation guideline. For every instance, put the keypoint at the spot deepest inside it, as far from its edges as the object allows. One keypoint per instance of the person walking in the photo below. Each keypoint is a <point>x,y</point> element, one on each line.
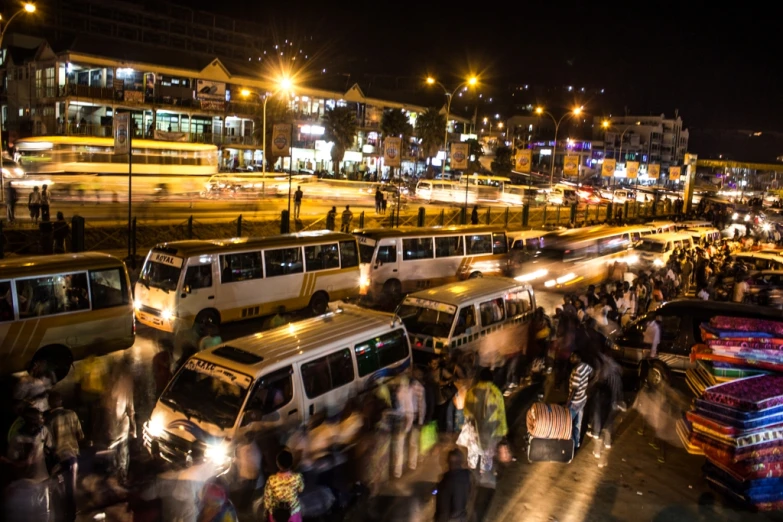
<point>346,219</point>
<point>121,418</point>
<point>34,204</point>
<point>474,215</point>
<point>45,201</point>
<point>282,490</point>
<point>485,407</point>
<point>577,393</point>
<point>455,490</point>
<point>60,233</point>
<point>11,197</point>
<point>66,432</point>
<point>378,200</point>
<point>331,219</point>
<point>298,201</point>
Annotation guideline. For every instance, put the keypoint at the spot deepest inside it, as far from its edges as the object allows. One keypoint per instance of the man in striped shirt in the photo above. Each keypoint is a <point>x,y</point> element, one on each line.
<point>577,392</point>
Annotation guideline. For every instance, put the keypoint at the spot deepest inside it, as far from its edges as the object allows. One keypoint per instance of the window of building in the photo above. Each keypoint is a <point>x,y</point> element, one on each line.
<point>272,392</point>
<point>492,311</point>
<point>283,261</point>
<point>499,243</point>
<point>379,352</point>
<point>49,295</point>
<point>240,267</point>
<point>349,255</point>
<point>327,373</point>
<point>449,246</point>
<point>322,257</point>
<point>417,248</point>
<point>479,244</point>
<point>108,288</point>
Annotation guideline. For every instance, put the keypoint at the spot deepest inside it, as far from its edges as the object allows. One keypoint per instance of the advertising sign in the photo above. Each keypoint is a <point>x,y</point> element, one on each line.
<point>607,169</point>
<point>209,90</point>
<point>121,132</point>
<point>281,139</point>
<point>391,151</point>
<point>674,173</point>
<point>571,165</point>
<point>459,156</point>
<point>523,160</point>
<point>653,170</point>
<point>632,169</point>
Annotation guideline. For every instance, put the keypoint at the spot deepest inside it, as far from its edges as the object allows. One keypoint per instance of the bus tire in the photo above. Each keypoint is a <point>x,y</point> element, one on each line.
<point>655,374</point>
<point>58,359</point>
<point>319,303</point>
<point>392,290</point>
<point>207,317</point>
<point>475,275</point>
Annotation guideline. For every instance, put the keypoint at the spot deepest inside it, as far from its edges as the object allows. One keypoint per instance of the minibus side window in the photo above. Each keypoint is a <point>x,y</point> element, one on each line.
<point>376,353</point>
<point>49,295</point>
<point>240,267</point>
<point>518,303</point>
<point>499,243</point>
<point>321,257</point>
<point>283,261</point>
<point>6,303</point>
<point>449,246</point>
<point>387,254</point>
<point>108,288</point>
<point>199,276</point>
<point>479,244</point>
<point>272,392</point>
<point>417,248</point>
<point>327,373</point>
<point>348,255</point>
<point>492,312</point>
<point>466,320</point>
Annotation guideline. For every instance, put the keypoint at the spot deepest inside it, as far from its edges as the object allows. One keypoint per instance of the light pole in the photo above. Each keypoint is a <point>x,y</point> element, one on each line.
<point>576,111</point>
<point>284,84</point>
<point>28,8</point>
<point>606,124</point>
<point>470,82</point>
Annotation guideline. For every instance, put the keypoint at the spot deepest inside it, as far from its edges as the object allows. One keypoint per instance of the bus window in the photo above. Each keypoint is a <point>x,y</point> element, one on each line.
<point>466,320</point>
<point>387,254</point>
<point>481,244</point>
<point>283,261</point>
<point>241,267</point>
<point>272,392</point>
<point>417,248</point>
<point>108,288</point>
<point>349,257</point>
<point>449,246</point>
<point>491,311</point>
<point>199,276</point>
<point>321,257</point>
<point>499,243</point>
<point>327,373</point>
<point>49,295</point>
<point>518,303</point>
<point>379,352</point>
<point>6,302</point>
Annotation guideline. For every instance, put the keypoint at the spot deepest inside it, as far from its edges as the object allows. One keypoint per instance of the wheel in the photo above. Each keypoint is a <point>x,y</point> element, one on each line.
<point>319,303</point>
<point>476,275</point>
<point>207,317</point>
<point>58,359</point>
<point>392,291</point>
<point>657,375</point>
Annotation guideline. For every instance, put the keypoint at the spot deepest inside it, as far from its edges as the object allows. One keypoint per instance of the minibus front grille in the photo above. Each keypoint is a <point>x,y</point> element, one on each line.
<point>149,310</point>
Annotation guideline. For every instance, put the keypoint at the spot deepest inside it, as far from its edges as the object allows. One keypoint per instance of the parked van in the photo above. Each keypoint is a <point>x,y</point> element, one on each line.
<point>562,196</point>
<point>662,227</point>
<point>655,250</point>
<point>275,380</point>
<point>759,260</point>
<point>680,321</point>
<point>488,316</point>
<point>704,236</point>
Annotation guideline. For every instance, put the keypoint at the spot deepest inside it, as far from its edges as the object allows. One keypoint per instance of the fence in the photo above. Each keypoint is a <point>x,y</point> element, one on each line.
<point>146,233</point>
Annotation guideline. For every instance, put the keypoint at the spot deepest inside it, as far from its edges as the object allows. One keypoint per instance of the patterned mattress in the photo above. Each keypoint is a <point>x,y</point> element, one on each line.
<point>750,394</point>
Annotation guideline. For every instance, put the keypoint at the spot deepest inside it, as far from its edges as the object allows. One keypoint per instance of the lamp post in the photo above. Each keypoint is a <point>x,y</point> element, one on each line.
<point>606,124</point>
<point>470,82</point>
<point>285,84</point>
<point>28,8</point>
<point>576,111</point>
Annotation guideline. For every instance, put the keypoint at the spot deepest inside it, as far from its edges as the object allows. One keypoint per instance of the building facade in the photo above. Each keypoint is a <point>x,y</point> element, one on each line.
<point>646,139</point>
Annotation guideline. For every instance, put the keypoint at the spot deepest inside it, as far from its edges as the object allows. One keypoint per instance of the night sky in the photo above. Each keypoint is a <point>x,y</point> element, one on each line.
<point>717,67</point>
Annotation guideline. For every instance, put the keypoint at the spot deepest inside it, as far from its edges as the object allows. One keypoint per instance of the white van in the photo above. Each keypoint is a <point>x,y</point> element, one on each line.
<point>522,245</point>
<point>662,227</point>
<point>488,316</point>
<point>657,249</point>
<point>274,380</point>
<point>704,236</point>
<point>562,196</point>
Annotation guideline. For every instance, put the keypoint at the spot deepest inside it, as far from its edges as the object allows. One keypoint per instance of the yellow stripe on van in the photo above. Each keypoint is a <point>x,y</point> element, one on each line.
<point>8,340</point>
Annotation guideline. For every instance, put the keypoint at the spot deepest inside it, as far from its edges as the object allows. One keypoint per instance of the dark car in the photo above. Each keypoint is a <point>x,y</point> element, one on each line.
<point>680,320</point>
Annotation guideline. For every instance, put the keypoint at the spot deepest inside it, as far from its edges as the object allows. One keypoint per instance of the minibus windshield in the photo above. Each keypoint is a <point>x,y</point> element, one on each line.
<point>427,320</point>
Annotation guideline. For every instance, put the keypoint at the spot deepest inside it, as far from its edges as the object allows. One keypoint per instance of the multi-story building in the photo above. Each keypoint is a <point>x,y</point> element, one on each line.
<point>646,139</point>
<point>181,95</point>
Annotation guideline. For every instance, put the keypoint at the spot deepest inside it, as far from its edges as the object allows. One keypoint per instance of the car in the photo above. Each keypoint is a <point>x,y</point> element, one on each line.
<point>680,321</point>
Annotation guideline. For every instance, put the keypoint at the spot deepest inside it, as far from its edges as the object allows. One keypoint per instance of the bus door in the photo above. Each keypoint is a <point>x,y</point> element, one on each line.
<point>198,287</point>
<point>387,262</point>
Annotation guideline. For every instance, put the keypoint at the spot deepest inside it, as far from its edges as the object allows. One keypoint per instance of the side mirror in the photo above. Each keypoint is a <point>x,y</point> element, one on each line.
<point>186,289</point>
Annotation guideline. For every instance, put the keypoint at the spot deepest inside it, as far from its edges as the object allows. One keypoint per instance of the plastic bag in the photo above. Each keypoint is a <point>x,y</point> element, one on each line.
<point>428,437</point>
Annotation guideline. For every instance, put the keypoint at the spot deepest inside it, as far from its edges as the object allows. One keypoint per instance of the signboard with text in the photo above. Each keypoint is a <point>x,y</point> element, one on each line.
<point>632,169</point>
<point>281,139</point>
<point>392,151</point>
<point>571,165</point>
<point>674,173</point>
<point>653,170</point>
<point>121,133</point>
<point>523,160</point>
<point>608,167</point>
<point>459,156</point>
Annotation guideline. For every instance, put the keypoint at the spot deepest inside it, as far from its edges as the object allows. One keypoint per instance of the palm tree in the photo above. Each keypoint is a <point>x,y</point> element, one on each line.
<point>340,128</point>
<point>395,123</point>
<point>277,111</point>
<point>431,128</point>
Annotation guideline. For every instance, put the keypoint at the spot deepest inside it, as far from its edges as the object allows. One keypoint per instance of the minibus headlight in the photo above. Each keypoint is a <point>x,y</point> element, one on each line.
<point>532,276</point>
<point>216,453</point>
<point>550,283</point>
<point>766,227</point>
<point>735,216</point>
<point>364,281</point>
<point>658,262</point>
<point>154,427</point>
<point>166,314</point>
<point>633,258</point>
<point>747,217</point>
<point>137,304</point>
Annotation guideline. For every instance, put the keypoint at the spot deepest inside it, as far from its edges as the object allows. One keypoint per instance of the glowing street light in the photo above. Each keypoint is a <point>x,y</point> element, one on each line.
<point>283,84</point>
<point>607,124</point>
<point>469,82</point>
<point>576,111</point>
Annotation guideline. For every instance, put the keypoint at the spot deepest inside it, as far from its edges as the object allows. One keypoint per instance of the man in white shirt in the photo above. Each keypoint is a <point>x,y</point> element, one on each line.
<point>652,335</point>
<point>740,289</point>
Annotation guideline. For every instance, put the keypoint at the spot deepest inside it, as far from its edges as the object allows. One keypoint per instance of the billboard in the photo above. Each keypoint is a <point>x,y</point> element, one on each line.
<point>459,156</point>
<point>607,169</point>
<point>391,151</point>
<point>674,173</point>
<point>653,170</point>
<point>632,169</point>
<point>209,90</point>
<point>571,165</point>
<point>523,160</point>
<point>121,132</point>
<point>281,140</point>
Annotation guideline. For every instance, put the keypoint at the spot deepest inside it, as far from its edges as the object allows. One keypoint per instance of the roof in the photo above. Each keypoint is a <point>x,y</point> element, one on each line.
<point>667,236</point>
<point>468,290</point>
<point>37,265</point>
<point>211,246</point>
<point>381,233</point>
<point>301,337</point>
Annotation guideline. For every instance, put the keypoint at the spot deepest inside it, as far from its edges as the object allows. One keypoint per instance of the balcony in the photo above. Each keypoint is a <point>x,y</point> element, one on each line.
<point>87,91</point>
<point>105,131</point>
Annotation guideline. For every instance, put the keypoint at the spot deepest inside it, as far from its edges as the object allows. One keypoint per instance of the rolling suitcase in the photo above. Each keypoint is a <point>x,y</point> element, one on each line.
<point>550,450</point>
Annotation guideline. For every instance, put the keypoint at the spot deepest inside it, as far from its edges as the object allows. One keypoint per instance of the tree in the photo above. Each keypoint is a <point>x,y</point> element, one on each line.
<point>340,129</point>
<point>475,151</point>
<point>277,111</point>
<point>502,163</point>
<point>431,127</point>
<point>395,123</point>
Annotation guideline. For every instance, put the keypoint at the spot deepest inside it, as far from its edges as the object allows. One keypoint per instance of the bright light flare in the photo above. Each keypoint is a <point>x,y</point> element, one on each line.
<point>472,80</point>
<point>539,110</point>
<point>286,84</point>
<point>430,80</point>
<point>605,124</point>
<point>245,92</point>
<point>29,7</point>
<point>532,276</point>
<point>578,110</point>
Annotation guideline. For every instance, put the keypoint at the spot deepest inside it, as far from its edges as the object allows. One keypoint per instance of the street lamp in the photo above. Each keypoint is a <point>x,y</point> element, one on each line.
<point>606,124</point>
<point>26,8</point>
<point>576,111</point>
<point>470,82</point>
<point>284,84</point>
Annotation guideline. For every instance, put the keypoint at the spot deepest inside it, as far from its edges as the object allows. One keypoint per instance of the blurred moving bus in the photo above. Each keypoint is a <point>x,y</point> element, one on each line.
<point>63,308</point>
<point>444,191</point>
<point>398,261</point>
<point>89,163</point>
<point>219,281</point>
<point>580,256</point>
